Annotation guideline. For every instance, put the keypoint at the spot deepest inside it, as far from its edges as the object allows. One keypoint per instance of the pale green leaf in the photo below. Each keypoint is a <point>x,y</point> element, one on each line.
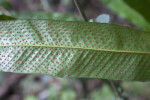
<point>104,94</point>
<point>68,95</point>
<point>74,49</point>
<point>31,98</point>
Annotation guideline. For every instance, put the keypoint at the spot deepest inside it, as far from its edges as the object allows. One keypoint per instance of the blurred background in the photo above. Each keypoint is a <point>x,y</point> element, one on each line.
<point>43,87</point>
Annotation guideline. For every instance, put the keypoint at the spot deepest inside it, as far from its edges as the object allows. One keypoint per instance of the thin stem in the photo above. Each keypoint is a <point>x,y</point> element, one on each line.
<point>118,95</point>
<point>80,10</point>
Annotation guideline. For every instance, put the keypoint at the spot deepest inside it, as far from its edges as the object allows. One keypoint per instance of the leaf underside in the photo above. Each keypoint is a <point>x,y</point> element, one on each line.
<point>74,49</point>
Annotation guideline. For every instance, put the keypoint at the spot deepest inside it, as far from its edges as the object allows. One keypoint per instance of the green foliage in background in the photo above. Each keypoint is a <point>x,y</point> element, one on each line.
<point>136,11</point>
<point>30,98</point>
<point>104,94</point>
<point>44,15</point>
<point>137,89</point>
<point>5,3</point>
<point>141,6</point>
<point>5,17</point>
<point>94,50</point>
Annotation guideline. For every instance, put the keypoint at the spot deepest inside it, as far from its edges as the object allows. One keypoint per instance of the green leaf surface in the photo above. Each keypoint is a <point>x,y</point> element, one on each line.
<point>5,17</point>
<point>74,49</point>
<point>136,11</point>
<point>141,6</point>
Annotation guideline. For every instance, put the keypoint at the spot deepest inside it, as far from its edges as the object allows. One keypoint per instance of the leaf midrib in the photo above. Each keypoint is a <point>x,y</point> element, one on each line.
<point>83,48</point>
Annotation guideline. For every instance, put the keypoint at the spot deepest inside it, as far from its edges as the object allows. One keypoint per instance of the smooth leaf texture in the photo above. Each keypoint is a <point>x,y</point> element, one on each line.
<point>74,49</point>
<point>5,17</point>
<point>136,11</point>
<point>141,6</point>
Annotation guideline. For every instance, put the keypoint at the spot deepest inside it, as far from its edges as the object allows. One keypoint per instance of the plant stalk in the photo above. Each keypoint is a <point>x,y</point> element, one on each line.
<point>80,10</point>
<point>118,95</point>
